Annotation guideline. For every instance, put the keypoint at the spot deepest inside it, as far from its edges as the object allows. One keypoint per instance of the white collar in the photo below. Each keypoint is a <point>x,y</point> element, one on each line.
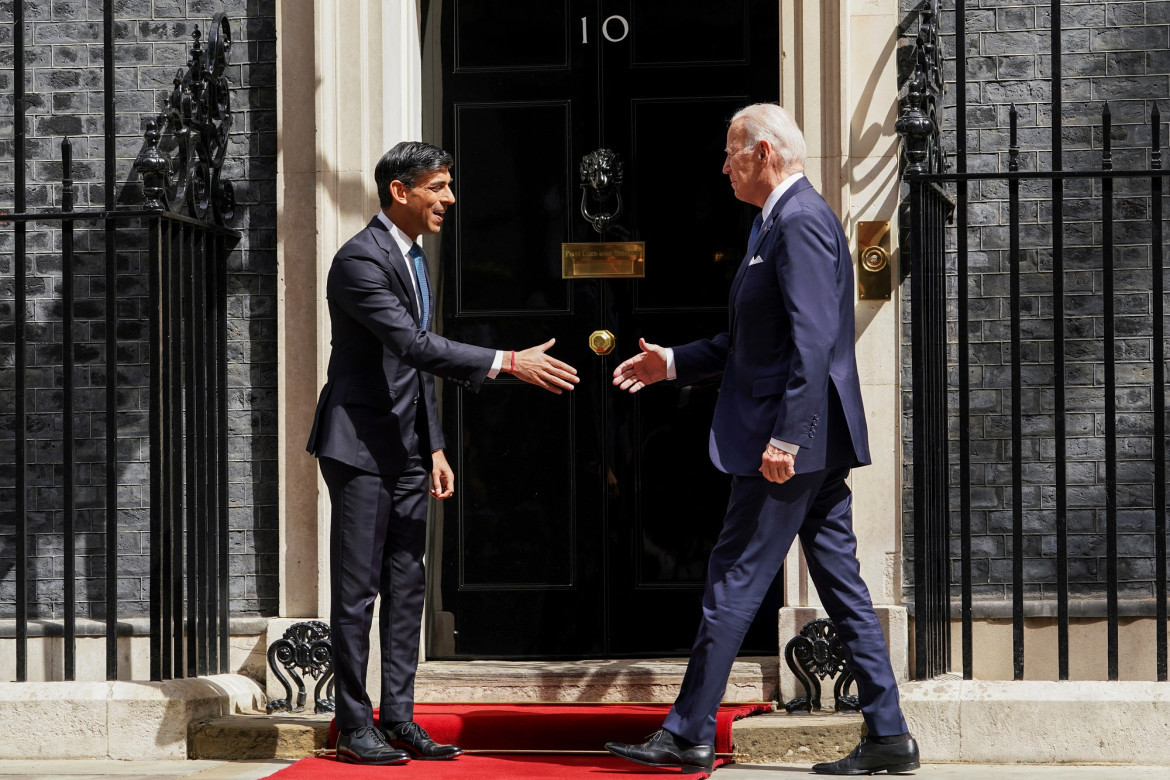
<point>404,241</point>
<point>777,193</point>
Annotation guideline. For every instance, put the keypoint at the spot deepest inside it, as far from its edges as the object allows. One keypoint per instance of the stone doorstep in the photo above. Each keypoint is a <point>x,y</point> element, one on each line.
<point>258,736</point>
<point>641,680</point>
<point>638,680</point>
<point>761,738</point>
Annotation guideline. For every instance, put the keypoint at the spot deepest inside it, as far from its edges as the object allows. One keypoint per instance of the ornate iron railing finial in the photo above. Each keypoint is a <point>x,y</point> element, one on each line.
<point>190,135</point>
<point>918,123</point>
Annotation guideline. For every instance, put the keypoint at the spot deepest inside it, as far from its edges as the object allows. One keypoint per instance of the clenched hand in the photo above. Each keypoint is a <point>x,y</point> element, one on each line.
<point>777,465</point>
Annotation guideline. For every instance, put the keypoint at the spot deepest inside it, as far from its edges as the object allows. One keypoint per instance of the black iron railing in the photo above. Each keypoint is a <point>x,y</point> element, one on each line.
<point>942,367</point>
<point>183,247</point>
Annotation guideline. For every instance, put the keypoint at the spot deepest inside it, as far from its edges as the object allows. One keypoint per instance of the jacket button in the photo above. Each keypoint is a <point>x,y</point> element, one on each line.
<point>414,400</point>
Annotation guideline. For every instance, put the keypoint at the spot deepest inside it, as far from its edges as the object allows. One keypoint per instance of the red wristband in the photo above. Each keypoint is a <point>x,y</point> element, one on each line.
<point>512,365</point>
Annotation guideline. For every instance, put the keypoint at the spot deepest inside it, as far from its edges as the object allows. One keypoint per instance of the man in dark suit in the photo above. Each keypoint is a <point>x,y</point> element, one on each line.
<point>788,425</point>
<point>379,443</point>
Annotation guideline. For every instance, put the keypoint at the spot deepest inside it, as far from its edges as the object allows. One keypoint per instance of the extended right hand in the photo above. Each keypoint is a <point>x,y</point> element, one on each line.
<point>645,368</point>
<point>536,367</point>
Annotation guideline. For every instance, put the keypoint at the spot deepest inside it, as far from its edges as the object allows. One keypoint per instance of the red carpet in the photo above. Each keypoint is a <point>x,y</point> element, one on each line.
<point>546,727</point>
<point>482,767</point>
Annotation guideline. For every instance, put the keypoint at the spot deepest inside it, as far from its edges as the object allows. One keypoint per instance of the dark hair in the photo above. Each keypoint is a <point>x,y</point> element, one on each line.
<point>406,162</point>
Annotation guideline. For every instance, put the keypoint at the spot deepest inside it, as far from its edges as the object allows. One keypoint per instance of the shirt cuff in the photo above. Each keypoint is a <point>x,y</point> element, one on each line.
<point>671,371</point>
<point>499,361</point>
<point>791,449</point>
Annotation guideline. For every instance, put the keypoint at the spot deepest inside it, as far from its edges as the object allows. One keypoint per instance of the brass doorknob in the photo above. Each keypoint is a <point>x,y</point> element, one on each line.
<point>602,342</point>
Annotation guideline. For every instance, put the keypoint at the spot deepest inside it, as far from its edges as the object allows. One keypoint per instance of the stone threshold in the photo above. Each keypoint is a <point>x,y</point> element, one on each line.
<point>630,680</point>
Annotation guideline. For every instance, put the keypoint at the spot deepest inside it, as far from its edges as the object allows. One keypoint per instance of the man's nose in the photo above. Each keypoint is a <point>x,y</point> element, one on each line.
<point>727,165</point>
<point>448,197</point>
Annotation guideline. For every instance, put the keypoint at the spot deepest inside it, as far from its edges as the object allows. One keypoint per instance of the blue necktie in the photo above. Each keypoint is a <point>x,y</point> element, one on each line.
<point>757,223</point>
<point>424,289</point>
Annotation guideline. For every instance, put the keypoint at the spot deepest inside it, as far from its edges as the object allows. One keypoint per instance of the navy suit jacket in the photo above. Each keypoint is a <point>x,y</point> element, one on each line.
<point>788,363</point>
<point>378,405</point>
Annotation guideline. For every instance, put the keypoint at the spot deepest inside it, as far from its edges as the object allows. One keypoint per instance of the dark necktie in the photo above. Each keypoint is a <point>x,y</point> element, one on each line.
<point>424,289</point>
<point>757,223</point>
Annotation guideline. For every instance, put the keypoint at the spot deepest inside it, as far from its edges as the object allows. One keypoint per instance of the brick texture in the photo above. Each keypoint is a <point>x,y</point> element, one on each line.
<point>1117,52</point>
<point>64,76</point>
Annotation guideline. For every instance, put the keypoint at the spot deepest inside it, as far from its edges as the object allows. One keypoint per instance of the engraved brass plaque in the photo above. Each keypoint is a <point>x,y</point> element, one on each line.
<point>603,260</point>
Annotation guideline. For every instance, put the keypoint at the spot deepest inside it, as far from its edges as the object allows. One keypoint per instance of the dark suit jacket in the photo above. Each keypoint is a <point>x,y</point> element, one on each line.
<point>788,363</point>
<point>370,415</point>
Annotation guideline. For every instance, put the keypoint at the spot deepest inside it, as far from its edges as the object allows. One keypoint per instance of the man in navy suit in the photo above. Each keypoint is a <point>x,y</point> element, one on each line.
<point>788,427</point>
<point>379,443</point>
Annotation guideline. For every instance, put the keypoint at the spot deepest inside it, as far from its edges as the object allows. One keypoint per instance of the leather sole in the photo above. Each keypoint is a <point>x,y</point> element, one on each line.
<point>894,769</point>
<point>419,757</point>
<point>686,769</point>
<point>353,758</point>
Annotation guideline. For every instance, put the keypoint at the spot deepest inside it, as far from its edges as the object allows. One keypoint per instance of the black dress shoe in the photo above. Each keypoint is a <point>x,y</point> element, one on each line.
<point>869,758</point>
<point>412,738</point>
<point>666,750</point>
<point>366,745</point>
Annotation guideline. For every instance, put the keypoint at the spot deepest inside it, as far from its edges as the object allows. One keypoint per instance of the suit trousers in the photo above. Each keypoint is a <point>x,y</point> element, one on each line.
<point>762,520</point>
<point>376,545</point>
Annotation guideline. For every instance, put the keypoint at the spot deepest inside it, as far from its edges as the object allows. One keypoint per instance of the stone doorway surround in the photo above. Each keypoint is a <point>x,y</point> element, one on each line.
<point>371,79</point>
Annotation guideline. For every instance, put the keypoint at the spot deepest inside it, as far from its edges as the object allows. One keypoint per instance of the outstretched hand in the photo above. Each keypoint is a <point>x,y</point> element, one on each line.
<point>536,367</point>
<point>645,368</point>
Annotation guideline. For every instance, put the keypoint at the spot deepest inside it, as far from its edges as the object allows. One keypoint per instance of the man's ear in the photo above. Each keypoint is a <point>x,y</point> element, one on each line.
<point>764,150</point>
<point>398,191</point>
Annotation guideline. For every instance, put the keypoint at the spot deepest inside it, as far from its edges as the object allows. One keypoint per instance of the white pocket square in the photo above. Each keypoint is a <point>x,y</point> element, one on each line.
<point>755,260</point>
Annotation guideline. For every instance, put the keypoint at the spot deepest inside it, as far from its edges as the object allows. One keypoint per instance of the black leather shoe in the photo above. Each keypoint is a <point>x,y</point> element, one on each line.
<point>414,739</point>
<point>366,745</point>
<point>869,758</point>
<point>666,750</point>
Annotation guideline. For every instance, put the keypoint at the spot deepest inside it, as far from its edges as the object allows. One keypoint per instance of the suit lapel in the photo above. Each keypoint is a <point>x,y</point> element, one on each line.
<point>396,262</point>
<point>765,230</point>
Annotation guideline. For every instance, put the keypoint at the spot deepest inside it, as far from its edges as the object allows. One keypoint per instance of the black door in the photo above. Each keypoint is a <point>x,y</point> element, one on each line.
<point>582,523</point>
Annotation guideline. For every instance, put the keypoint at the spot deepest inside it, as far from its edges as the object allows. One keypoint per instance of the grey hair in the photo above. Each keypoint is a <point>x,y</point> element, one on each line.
<point>769,122</point>
<point>405,163</point>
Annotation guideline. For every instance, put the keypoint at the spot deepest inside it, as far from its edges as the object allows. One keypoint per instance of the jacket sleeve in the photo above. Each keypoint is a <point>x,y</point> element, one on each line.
<point>806,260</point>
<point>362,289</point>
<point>435,438</point>
<point>700,359</point>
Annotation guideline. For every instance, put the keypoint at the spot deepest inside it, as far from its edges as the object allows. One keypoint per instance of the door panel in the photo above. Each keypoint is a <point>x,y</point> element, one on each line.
<point>510,34</point>
<point>509,241</point>
<point>693,238</point>
<point>689,34</point>
<point>582,523</point>
<point>517,539</point>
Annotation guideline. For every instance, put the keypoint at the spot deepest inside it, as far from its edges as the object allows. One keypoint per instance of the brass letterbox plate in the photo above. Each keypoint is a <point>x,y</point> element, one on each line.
<point>603,260</point>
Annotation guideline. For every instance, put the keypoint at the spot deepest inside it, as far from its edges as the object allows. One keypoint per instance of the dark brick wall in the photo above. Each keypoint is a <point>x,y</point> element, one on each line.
<point>1114,51</point>
<point>64,97</point>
